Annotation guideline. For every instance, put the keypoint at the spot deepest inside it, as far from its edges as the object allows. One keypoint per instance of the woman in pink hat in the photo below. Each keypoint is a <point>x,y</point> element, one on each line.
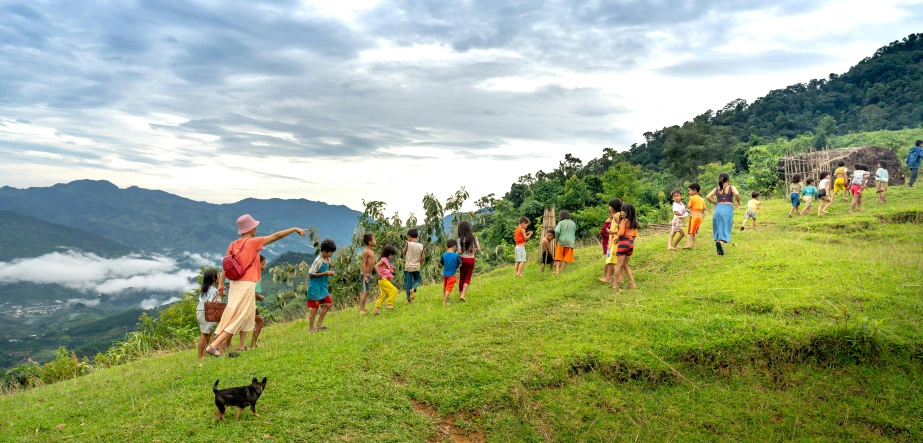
<point>239,314</point>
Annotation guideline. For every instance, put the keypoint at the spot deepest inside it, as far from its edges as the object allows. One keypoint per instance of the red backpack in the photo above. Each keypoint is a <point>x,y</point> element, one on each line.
<point>233,270</point>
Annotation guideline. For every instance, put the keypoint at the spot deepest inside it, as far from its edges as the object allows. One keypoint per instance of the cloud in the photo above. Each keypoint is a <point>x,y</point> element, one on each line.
<point>730,65</point>
<point>94,274</point>
<point>152,303</point>
<point>204,259</point>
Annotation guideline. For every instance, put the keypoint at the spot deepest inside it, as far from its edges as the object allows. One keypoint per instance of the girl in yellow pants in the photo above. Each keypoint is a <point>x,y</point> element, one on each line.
<point>385,273</point>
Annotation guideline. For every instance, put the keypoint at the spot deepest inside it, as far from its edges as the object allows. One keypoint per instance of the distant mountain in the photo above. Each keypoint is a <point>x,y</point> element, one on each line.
<point>23,237</point>
<point>290,258</point>
<point>158,221</point>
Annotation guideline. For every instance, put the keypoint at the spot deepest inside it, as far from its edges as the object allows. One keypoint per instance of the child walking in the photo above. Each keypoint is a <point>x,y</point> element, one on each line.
<point>794,193</point>
<point>679,213</point>
<point>566,233</point>
<point>318,288</point>
<point>808,194</point>
<point>859,179</point>
<point>839,184</point>
<point>753,206</point>
<point>824,193</point>
<point>881,181</point>
<point>450,262</point>
<point>628,230</point>
<point>368,266</point>
<point>385,271</point>
<point>696,212</point>
<point>547,250</point>
<point>207,293</point>
<point>521,237</point>
<point>413,261</point>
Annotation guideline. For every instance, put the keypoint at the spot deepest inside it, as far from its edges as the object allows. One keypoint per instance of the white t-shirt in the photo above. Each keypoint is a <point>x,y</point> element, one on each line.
<point>414,254</point>
<point>858,176</point>
<point>679,207</point>
<point>823,184</point>
<point>208,296</point>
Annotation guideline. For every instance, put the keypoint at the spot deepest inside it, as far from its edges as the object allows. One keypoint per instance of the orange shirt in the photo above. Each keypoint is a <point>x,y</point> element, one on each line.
<point>520,236</point>
<point>249,256</point>
<point>696,203</point>
<point>625,232</point>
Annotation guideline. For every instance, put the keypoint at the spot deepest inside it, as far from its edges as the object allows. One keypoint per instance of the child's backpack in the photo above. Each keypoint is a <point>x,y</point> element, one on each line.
<point>233,270</point>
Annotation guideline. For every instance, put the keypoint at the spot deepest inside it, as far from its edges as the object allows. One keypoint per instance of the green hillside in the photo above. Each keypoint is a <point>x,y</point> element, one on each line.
<point>23,237</point>
<point>742,347</point>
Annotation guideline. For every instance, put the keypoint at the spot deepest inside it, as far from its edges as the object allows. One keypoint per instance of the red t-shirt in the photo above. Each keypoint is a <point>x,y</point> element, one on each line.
<point>604,233</point>
<point>520,236</point>
<point>249,256</point>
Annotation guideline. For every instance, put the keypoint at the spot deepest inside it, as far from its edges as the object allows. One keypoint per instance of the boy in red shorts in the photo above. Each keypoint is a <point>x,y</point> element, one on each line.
<point>696,209</point>
<point>318,289</point>
<point>450,261</point>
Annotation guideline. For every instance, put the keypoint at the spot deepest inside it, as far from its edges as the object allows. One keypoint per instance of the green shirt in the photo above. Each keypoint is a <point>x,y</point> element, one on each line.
<point>259,287</point>
<point>566,233</point>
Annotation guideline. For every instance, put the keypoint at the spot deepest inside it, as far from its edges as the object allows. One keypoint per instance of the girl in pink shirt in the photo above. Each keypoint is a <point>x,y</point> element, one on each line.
<point>386,289</point>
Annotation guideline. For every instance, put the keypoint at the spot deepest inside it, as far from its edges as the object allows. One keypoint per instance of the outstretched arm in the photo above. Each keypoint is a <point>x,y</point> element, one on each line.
<point>282,234</point>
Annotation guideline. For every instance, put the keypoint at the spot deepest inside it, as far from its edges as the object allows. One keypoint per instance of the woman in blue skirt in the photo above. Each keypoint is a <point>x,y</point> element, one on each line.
<point>726,199</point>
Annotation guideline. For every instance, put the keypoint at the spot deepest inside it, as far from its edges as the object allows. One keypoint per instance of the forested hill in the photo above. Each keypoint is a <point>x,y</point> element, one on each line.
<point>883,91</point>
<point>23,237</point>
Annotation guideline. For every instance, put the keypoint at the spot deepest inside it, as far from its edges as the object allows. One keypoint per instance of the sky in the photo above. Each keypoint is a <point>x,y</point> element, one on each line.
<point>342,101</point>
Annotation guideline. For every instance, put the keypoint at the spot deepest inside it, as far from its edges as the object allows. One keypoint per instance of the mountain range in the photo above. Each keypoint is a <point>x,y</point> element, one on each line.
<point>157,221</point>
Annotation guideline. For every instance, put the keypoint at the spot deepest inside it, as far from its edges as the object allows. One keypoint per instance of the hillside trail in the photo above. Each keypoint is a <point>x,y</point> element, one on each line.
<point>748,346</point>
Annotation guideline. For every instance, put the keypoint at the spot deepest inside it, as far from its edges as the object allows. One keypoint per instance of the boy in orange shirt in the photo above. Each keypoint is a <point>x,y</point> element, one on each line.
<point>521,236</point>
<point>696,208</point>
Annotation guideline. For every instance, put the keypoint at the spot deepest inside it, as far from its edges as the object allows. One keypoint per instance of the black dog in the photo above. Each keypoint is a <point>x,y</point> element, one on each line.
<point>242,397</point>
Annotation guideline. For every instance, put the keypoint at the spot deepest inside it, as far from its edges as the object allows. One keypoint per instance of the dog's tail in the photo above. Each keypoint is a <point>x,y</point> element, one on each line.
<point>215,387</point>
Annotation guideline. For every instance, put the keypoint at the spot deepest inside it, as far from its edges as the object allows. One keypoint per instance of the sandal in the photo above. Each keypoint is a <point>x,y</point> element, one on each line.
<point>213,352</point>
<point>322,328</point>
<point>462,299</point>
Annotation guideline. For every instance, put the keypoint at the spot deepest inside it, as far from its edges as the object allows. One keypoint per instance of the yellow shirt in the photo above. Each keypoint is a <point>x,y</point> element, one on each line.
<point>696,203</point>
<point>753,204</point>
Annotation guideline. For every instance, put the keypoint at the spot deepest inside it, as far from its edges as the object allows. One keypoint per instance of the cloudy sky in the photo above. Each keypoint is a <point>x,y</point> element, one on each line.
<point>345,100</point>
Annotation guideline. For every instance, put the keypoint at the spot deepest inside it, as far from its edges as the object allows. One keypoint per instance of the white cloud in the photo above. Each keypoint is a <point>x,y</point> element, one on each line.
<point>92,273</point>
<point>204,260</point>
<point>152,303</point>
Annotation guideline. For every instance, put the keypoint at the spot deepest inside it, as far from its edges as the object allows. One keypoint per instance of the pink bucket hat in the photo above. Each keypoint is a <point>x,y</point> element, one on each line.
<point>246,223</point>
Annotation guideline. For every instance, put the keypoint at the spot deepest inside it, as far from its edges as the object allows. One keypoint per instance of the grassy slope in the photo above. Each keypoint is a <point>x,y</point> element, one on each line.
<point>545,358</point>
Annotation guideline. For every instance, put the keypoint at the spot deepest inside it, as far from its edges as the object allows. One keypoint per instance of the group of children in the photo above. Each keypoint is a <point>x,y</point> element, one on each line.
<point>848,182</point>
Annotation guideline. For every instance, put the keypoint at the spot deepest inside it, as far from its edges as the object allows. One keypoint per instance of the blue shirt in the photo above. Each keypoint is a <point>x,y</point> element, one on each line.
<point>914,157</point>
<point>809,191</point>
<point>317,286</point>
<point>450,263</point>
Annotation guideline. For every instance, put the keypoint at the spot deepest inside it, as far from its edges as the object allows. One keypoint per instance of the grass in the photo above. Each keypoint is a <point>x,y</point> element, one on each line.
<point>709,348</point>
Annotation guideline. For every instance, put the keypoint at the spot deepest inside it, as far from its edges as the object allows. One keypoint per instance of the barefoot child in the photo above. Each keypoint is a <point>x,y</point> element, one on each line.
<point>696,212</point>
<point>521,237</point>
<point>794,193</point>
<point>606,234</point>
<point>808,194</point>
<point>859,179</point>
<point>318,288</point>
<point>824,193</point>
<point>386,289</point>
<point>207,293</point>
<point>753,206</point>
<point>368,266</point>
<point>547,250</point>
<point>881,181</point>
<point>566,233</point>
<point>450,262</point>
<point>413,261</point>
<point>628,230</point>
<point>679,213</point>
<point>839,185</point>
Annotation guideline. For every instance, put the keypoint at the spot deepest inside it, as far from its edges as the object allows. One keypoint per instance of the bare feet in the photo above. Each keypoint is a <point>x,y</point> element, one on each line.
<point>376,312</point>
<point>671,248</point>
<point>363,312</point>
<point>606,280</point>
<point>462,298</point>
<point>389,307</point>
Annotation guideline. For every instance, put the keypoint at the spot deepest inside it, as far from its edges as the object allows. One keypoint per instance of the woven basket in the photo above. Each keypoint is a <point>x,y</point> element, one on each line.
<point>214,310</point>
